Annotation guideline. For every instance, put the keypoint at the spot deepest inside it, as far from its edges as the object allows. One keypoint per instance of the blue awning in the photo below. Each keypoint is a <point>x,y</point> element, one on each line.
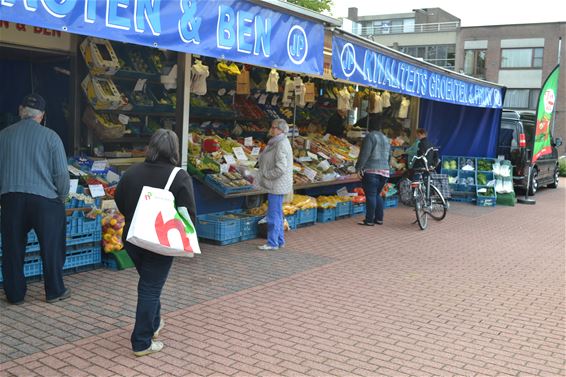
<point>370,64</point>
<point>237,30</point>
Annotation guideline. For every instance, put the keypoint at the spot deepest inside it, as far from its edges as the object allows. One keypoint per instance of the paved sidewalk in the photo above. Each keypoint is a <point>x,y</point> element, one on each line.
<point>480,293</point>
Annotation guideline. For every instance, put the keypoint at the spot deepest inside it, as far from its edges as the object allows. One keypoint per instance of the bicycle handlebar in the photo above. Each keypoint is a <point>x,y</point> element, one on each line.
<point>423,157</point>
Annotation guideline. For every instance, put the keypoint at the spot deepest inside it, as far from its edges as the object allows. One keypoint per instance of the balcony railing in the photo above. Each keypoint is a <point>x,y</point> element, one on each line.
<point>435,27</point>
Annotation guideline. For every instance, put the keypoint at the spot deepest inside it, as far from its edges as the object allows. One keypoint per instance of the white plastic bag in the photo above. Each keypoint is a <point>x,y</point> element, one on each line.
<point>160,227</point>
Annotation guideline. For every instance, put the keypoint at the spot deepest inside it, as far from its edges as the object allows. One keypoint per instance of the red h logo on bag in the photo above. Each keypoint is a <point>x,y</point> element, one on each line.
<point>163,228</point>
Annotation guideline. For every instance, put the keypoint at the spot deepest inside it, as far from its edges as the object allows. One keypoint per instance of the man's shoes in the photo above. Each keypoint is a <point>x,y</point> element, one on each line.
<point>66,294</point>
<point>268,247</point>
<point>282,246</point>
<point>366,223</point>
<point>155,346</point>
<point>379,222</point>
<point>161,325</point>
<point>15,302</point>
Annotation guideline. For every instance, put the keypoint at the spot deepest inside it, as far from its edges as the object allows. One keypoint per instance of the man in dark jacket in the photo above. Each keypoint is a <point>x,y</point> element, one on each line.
<point>337,123</point>
<point>424,150</point>
<point>34,183</point>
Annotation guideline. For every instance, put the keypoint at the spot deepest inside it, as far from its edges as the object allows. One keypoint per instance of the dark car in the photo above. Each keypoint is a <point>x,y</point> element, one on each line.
<point>516,142</point>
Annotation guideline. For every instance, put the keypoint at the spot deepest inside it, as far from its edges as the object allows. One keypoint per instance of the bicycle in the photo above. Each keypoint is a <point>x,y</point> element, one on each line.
<point>428,199</point>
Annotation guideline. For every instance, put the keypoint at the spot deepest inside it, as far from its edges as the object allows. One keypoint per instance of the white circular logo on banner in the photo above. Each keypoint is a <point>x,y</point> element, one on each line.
<point>549,100</point>
<point>297,45</point>
<point>348,60</point>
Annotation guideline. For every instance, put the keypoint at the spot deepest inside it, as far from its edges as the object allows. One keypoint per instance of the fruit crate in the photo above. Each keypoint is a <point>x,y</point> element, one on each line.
<point>215,228</point>
<point>485,164</point>
<point>358,208</point>
<point>391,202</point>
<point>488,200</point>
<point>225,189</point>
<point>292,220</point>
<point>306,216</point>
<point>325,215</point>
<point>248,224</point>
<point>343,209</point>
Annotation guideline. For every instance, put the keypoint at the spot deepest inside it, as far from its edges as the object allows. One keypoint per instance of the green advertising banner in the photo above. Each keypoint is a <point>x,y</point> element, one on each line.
<point>545,112</point>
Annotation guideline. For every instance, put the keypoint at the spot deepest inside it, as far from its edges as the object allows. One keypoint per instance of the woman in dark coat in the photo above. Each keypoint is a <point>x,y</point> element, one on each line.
<point>162,156</point>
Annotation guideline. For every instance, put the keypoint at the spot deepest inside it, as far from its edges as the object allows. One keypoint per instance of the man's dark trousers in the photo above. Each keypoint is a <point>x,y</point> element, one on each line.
<point>22,212</point>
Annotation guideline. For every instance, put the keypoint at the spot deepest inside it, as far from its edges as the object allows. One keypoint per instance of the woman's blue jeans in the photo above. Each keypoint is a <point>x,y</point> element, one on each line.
<point>153,270</point>
<point>275,219</point>
<point>372,185</point>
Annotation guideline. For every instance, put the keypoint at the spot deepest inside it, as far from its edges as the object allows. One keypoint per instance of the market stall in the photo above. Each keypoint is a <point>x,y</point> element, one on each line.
<point>218,73</point>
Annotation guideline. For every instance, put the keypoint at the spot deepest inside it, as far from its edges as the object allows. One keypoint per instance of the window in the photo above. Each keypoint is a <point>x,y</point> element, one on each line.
<point>409,25</point>
<point>474,63</point>
<point>521,99</point>
<point>441,55</point>
<point>521,57</point>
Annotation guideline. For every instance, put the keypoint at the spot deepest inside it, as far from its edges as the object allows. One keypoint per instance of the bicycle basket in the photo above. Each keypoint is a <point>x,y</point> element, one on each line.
<point>405,192</point>
<point>441,183</point>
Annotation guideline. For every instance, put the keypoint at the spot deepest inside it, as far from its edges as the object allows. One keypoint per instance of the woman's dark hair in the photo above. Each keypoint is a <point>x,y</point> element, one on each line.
<point>163,145</point>
<point>374,124</point>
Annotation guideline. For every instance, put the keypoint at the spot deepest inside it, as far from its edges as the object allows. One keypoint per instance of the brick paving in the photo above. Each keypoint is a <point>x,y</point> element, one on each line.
<point>480,293</point>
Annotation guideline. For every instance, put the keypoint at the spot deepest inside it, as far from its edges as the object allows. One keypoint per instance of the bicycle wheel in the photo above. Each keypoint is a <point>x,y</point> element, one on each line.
<point>438,205</point>
<point>420,208</point>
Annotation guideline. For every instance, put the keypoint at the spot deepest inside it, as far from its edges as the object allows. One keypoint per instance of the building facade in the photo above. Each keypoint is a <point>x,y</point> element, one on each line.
<point>519,57</point>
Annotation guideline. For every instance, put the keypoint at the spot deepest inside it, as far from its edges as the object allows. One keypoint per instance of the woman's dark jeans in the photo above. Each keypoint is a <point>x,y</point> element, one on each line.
<point>153,270</point>
<point>372,185</point>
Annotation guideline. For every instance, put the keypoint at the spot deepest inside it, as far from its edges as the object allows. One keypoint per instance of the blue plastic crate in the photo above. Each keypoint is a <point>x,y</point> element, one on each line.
<point>292,221</point>
<point>225,189</point>
<point>343,209</point>
<point>486,201</point>
<point>248,224</point>
<point>391,202</point>
<point>358,208</point>
<point>79,256</point>
<point>83,230</point>
<point>306,216</point>
<point>325,215</point>
<point>84,255</point>
<point>214,228</point>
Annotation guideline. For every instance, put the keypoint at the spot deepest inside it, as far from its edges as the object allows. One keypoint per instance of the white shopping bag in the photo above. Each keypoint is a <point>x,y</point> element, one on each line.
<point>160,227</point>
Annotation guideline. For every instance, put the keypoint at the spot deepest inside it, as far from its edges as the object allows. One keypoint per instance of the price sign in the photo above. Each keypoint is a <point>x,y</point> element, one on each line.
<point>96,191</point>
<point>112,177</point>
<point>354,152</point>
<point>224,168</point>
<point>108,204</point>
<point>311,174</point>
<point>313,156</point>
<point>324,165</point>
<point>229,159</point>
<point>98,166</point>
<point>256,96</point>
<point>323,155</point>
<point>231,92</point>
<point>274,100</point>
<point>240,154</point>
<point>140,84</point>
<point>343,191</point>
<point>305,159</point>
<point>73,184</point>
<point>124,119</point>
<point>262,99</point>
<point>74,171</point>
<point>255,151</point>
<point>249,141</point>
<point>326,137</point>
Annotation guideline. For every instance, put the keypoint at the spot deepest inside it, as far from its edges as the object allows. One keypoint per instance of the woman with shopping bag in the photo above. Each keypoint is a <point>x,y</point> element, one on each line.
<point>157,171</point>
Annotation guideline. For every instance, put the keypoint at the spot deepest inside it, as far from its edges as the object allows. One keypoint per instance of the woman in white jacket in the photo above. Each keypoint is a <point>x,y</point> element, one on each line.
<point>276,177</point>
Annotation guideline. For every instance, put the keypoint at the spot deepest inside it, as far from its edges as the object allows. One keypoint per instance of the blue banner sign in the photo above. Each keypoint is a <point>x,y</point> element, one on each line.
<point>373,68</point>
<point>228,29</point>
